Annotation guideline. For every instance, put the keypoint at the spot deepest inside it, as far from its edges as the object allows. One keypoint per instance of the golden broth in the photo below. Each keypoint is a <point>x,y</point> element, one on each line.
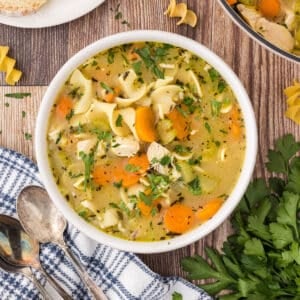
<point>146,141</point>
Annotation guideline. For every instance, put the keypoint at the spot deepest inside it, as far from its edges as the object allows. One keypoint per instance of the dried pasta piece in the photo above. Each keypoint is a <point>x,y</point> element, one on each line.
<point>180,10</point>
<point>7,65</point>
<point>293,101</point>
<point>190,18</point>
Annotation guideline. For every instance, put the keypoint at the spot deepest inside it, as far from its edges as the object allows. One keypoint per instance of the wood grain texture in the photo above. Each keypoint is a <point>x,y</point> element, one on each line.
<point>40,53</point>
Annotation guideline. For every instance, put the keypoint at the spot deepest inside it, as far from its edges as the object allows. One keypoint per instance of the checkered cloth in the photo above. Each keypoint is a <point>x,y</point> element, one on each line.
<point>121,275</point>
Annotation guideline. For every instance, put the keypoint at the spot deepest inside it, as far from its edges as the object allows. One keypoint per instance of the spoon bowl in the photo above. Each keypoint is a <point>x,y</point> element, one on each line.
<point>19,249</point>
<point>39,216</point>
<point>16,247</point>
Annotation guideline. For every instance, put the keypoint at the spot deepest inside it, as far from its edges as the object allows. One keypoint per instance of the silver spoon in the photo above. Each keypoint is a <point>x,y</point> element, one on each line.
<point>41,220</point>
<point>27,273</point>
<point>20,250</point>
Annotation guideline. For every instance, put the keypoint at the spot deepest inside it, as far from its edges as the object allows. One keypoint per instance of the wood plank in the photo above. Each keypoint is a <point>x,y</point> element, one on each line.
<point>13,125</point>
<point>39,52</point>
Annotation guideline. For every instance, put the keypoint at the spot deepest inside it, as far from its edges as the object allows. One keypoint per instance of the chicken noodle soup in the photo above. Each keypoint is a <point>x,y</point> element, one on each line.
<point>278,21</point>
<point>146,141</point>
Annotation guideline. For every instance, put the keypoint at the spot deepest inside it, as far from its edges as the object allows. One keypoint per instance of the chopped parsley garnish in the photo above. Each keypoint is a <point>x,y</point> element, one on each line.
<point>147,199</point>
<point>59,136</point>
<point>18,95</point>
<point>166,160</point>
<point>70,115</point>
<point>83,214</point>
<point>215,107</point>
<point>131,168</point>
<point>117,184</point>
<point>213,74</point>
<point>194,186</point>
<point>221,85</point>
<point>119,15</point>
<point>119,121</point>
<point>106,87</point>
<point>23,114</point>
<point>207,126</point>
<point>137,66</point>
<point>88,160</point>
<point>102,135</point>
<point>27,136</point>
<point>180,149</point>
<point>75,93</point>
<point>6,104</point>
<point>150,61</point>
<point>110,56</point>
<point>190,104</point>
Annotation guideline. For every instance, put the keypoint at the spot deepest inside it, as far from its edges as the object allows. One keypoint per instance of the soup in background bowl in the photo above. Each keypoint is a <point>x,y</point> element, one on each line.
<point>146,141</point>
<point>274,24</point>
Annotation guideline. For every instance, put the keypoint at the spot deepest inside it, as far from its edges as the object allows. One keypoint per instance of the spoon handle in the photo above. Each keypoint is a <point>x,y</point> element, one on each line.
<point>92,287</point>
<point>40,288</point>
<point>62,293</point>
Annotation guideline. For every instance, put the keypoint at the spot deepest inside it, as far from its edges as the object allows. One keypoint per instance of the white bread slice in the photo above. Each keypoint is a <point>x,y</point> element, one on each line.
<point>20,7</point>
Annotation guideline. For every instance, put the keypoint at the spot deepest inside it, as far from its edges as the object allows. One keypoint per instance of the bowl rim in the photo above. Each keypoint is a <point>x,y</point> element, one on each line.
<point>41,141</point>
<point>236,18</point>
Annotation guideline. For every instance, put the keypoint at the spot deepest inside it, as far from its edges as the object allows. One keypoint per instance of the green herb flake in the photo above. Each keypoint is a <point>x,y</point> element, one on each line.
<point>110,56</point>
<point>106,87</point>
<point>215,107</point>
<point>165,160</point>
<point>150,61</point>
<point>194,186</point>
<point>88,160</point>
<point>70,115</point>
<point>180,149</point>
<point>213,74</point>
<point>59,136</point>
<point>6,104</point>
<point>18,95</point>
<point>27,136</point>
<point>221,86</point>
<point>23,114</point>
<point>131,168</point>
<point>118,185</point>
<point>119,121</point>
<point>207,126</point>
<point>83,214</point>
<point>137,67</point>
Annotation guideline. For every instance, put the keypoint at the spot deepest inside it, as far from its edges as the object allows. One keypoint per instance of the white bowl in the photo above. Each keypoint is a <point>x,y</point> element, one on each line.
<point>41,142</point>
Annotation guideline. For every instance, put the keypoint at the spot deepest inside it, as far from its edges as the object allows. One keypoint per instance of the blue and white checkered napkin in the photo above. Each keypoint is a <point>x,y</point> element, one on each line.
<point>121,275</point>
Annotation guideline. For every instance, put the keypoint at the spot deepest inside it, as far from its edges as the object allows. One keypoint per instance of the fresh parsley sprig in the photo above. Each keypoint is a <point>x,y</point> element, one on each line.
<point>261,260</point>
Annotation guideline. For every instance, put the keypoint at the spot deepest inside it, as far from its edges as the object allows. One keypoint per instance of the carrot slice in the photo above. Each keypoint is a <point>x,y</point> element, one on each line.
<point>110,97</point>
<point>145,124</point>
<point>146,209</point>
<point>269,8</point>
<point>179,218</point>
<point>209,209</point>
<point>235,127</point>
<point>231,2</point>
<point>180,123</point>
<point>141,162</point>
<point>103,174</point>
<point>64,106</point>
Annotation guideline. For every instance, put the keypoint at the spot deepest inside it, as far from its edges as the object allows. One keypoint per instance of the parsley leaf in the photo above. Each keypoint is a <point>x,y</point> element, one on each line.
<point>18,95</point>
<point>261,259</point>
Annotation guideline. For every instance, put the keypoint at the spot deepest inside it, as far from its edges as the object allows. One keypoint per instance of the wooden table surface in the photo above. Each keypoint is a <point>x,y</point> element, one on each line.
<point>41,52</point>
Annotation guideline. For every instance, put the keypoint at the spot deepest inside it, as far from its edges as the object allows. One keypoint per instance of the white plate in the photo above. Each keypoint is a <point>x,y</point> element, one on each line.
<point>54,12</point>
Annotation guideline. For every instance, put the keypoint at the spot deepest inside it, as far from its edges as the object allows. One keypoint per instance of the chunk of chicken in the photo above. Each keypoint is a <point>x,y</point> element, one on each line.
<point>275,33</point>
<point>125,146</point>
